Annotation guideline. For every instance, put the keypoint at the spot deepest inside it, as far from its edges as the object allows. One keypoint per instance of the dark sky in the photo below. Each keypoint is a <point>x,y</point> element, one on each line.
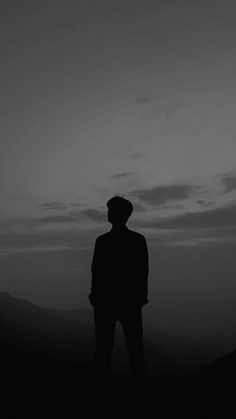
<point>134,98</point>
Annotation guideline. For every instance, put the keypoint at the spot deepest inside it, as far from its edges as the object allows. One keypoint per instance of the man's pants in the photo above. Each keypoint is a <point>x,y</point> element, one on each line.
<point>131,321</point>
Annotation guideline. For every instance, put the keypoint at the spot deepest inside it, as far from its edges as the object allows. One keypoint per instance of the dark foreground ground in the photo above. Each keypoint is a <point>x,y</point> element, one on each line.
<point>70,391</point>
<point>46,371</point>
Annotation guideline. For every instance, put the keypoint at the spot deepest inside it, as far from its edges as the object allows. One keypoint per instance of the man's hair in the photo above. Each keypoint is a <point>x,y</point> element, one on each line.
<point>123,205</point>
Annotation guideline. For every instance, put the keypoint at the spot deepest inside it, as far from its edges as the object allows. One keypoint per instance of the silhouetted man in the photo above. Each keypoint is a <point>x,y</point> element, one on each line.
<point>119,287</point>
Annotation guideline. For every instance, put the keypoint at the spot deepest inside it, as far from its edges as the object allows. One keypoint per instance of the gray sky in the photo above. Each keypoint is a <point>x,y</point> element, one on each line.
<point>134,98</point>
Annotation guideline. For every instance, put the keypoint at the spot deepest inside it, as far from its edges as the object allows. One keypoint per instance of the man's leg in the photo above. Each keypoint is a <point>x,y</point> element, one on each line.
<point>131,321</point>
<point>104,323</point>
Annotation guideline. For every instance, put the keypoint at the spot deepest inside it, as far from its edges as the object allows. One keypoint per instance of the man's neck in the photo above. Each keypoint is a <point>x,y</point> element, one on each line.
<point>118,228</point>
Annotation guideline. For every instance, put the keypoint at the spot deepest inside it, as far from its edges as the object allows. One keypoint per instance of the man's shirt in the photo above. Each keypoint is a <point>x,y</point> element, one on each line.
<point>120,269</point>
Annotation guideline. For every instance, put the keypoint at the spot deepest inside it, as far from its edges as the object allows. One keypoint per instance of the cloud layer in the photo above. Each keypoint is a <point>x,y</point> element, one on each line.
<point>162,194</point>
<point>229,181</point>
<point>214,218</point>
<point>53,205</point>
<point>181,214</point>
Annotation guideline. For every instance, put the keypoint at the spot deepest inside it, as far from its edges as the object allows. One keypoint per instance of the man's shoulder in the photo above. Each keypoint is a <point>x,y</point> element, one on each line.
<point>135,233</point>
<point>131,233</point>
<point>103,236</point>
<point>136,236</point>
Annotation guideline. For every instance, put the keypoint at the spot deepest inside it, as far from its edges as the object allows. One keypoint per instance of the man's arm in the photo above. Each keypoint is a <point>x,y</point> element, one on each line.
<point>142,270</point>
<point>95,271</point>
<point>145,270</point>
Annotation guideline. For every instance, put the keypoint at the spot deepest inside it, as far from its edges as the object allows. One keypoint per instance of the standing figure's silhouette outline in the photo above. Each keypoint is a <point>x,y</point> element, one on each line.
<point>119,287</point>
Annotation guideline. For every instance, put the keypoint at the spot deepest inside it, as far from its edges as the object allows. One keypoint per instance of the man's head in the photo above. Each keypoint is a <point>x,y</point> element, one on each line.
<point>119,210</point>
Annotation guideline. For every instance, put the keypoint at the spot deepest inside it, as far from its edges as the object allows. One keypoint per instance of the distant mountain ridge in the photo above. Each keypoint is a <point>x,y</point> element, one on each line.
<point>68,335</point>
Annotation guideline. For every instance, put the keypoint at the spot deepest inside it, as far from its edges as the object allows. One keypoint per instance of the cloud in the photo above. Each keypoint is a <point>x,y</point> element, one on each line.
<point>161,194</point>
<point>205,204</point>
<point>24,225</point>
<point>77,204</point>
<point>18,197</point>
<point>53,205</point>
<point>94,214</point>
<point>43,240</point>
<point>51,238</point>
<point>229,181</point>
<point>198,241</point>
<point>39,224</point>
<point>122,175</point>
<point>15,225</point>
<point>12,250</point>
<point>138,207</point>
<point>143,100</point>
<point>56,219</point>
<point>166,110</point>
<point>209,219</point>
<point>138,155</point>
